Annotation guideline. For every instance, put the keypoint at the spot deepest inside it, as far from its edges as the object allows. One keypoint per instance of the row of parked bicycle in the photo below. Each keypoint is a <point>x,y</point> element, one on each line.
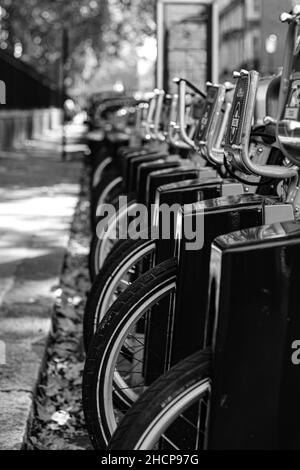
<point>191,333</point>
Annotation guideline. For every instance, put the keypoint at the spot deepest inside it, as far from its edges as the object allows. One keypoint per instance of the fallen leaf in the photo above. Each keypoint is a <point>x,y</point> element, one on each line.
<point>61,417</point>
<point>44,413</point>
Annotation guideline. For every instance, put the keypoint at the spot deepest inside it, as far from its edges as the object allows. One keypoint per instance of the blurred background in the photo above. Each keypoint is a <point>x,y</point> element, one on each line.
<point>52,49</point>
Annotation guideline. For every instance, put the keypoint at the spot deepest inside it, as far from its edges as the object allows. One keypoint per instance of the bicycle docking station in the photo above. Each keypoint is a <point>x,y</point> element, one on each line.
<point>251,329</point>
<point>221,306</point>
<point>252,320</point>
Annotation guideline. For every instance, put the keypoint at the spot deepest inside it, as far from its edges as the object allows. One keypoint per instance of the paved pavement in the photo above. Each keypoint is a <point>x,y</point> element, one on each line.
<point>38,195</point>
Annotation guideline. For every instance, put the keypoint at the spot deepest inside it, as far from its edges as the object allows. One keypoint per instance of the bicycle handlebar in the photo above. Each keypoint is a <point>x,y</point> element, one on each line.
<point>149,120</point>
<point>173,126</point>
<point>182,111</point>
<point>159,106</point>
<point>216,153</point>
<point>179,80</point>
<point>270,171</point>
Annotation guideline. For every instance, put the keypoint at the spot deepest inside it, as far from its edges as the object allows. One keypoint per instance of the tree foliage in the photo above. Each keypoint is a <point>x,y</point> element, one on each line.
<point>32,30</point>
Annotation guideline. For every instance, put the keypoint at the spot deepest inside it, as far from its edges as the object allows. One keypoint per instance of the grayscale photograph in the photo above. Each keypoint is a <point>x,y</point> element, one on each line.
<point>149,229</point>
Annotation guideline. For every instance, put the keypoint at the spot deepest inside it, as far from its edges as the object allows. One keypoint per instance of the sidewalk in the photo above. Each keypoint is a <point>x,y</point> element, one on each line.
<point>38,195</point>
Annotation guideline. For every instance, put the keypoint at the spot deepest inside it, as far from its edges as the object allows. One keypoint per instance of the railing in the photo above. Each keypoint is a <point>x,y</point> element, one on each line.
<point>33,103</point>
<point>18,126</point>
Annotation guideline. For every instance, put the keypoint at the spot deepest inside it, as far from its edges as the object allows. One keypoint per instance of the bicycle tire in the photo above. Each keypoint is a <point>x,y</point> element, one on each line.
<point>162,397</point>
<point>100,244</point>
<point>110,177</point>
<point>125,254</point>
<point>98,376</point>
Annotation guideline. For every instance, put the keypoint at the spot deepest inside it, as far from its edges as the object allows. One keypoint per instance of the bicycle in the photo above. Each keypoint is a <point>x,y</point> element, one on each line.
<point>124,317</point>
<point>232,412</point>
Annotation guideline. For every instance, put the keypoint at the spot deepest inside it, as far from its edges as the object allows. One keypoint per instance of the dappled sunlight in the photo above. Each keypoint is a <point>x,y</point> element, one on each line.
<point>55,143</point>
<point>37,200</point>
<point>11,253</point>
<point>26,326</point>
<point>22,197</point>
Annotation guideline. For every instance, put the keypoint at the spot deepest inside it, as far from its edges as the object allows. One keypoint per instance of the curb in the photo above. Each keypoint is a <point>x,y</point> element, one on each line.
<point>28,300</point>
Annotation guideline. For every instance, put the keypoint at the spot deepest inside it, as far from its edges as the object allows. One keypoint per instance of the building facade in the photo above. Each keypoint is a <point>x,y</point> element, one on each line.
<point>251,35</point>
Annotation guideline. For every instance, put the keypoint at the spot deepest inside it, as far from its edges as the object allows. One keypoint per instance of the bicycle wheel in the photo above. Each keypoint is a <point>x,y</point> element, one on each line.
<point>113,375</point>
<point>103,241</point>
<point>109,188</point>
<point>173,413</point>
<point>129,259</point>
<point>100,169</point>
